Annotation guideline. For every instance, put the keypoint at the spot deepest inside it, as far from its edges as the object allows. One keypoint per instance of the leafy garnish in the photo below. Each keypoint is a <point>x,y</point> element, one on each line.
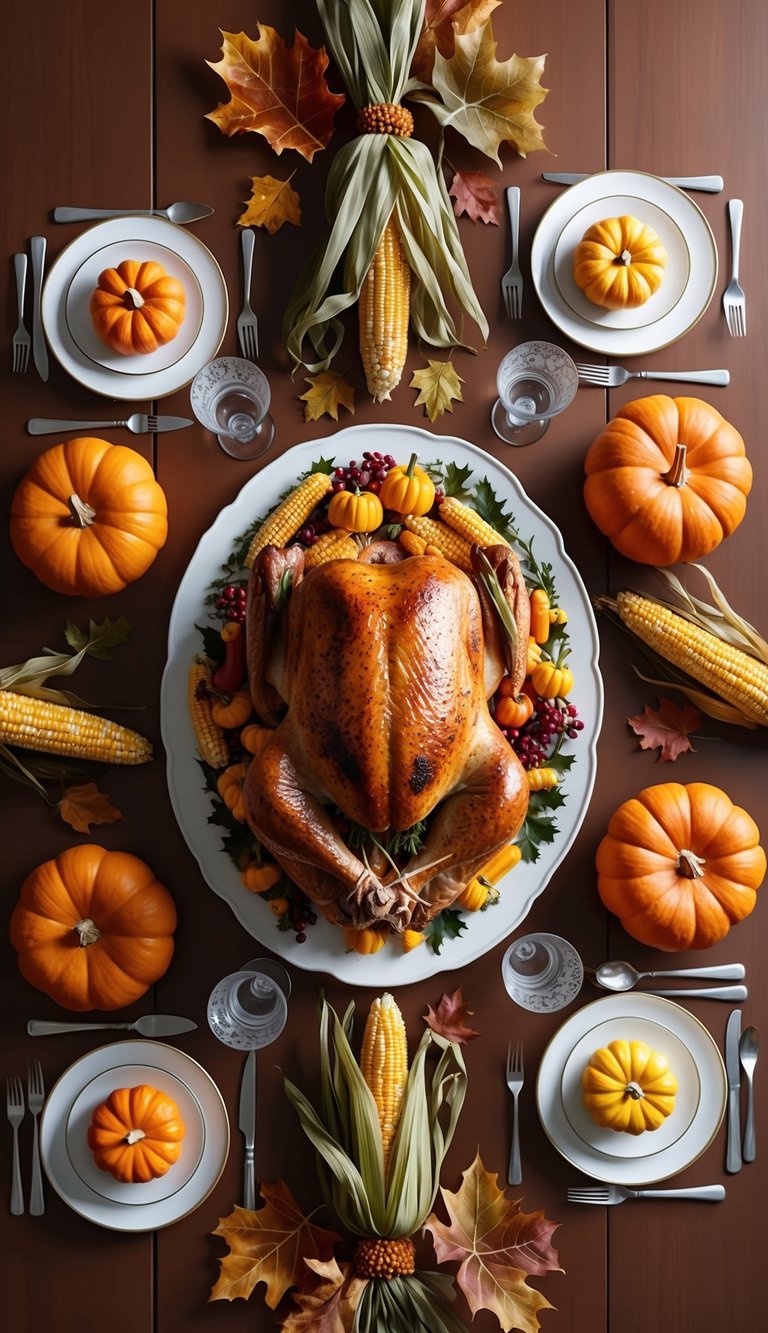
<point>447,925</point>
<point>539,826</point>
<point>454,481</point>
<point>214,647</point>
<point>493,510</point>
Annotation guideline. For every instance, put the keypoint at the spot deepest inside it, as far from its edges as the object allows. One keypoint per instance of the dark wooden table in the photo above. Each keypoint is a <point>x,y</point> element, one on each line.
<point>103,104</point>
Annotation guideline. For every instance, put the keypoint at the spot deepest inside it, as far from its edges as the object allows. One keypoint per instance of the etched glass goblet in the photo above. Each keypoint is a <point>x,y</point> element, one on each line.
<point>535,382</point>
<point>231,397</point>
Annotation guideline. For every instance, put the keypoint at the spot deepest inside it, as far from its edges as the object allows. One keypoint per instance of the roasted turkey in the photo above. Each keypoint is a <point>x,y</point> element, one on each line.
<point>373,686</point>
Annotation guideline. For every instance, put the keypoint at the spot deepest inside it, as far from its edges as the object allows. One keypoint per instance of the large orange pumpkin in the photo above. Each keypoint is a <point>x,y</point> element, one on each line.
<point>136,1134</point>
<point>680,865</point>
<point>667,479</point>
<point>93,929</point>
<point>89,517</point>
<point>137,307</point>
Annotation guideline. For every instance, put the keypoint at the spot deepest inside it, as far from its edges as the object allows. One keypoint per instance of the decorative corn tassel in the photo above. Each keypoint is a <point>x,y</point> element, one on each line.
<point>384,1065</point>
<point>384,308</point>
<point>211,741</point>
<point>291,514</point>
<point>334,545</point>
<point>449,543</point>
<point>49,728</point>
<point>468,523</point>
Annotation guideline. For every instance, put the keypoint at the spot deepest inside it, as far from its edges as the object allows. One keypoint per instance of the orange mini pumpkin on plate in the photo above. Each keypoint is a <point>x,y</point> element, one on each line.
<point>136,1134</point>
<point>619,263</point>
<point>137,307</point>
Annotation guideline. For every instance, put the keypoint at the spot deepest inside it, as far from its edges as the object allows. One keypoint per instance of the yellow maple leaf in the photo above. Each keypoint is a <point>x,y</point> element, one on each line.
<point>327,393</point>
<point>488,101</point>
<point>439,385</point>
<point>268,1245</point>
<point>85,805</point>
<point>442,20</point>
<point>272,203</point>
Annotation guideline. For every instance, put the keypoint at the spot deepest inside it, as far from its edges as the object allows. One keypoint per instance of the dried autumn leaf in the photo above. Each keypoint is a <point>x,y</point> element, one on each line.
<point>277,91</point>
<point>101,637</point>
<point>439,385</point>
<point>330,1303</point>
<point>85,805</point>
<point>475,195</point>
<point>667,727</point>
<point>272,203</point>
<point>489,102</point>
<point>448,1018</point>
<point>497,1246</point>
<point>268,1245</point>
<point>327,393</point>
<point>442,20</point>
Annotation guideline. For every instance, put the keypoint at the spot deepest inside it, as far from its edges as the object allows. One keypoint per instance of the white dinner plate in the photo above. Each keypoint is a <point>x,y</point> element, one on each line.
<point>625,1159</point>
<point>74,275</point>
<point>97,1195</point>
<point>689,280</point>
<point>324,949</point>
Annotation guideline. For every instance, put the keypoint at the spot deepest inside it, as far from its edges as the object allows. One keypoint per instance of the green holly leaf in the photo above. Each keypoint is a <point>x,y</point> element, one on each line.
<point>539,827</point>
<point>326,465</point>
<point>100,639</point>
<point>213,644</point>
<point>561,763</point>
<point>454,482</point>
<point>238,842</point>
<point>492,509</point>
<point>447,925</point>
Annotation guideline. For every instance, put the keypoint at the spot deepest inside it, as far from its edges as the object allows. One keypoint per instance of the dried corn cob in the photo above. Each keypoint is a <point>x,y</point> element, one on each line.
<point>383,314</point>
<point>730,673</point>
<point>211,741</point>
<point>449,543</point>
<point>542,779</point>
<point>291,514</point>
<point>468,523</point>
<point>49,728</point>
<point>384,1065</point>
<point>334,545</point>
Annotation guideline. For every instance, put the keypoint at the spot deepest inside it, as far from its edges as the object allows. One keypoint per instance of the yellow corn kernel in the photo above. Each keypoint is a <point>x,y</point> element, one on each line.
<point>384,308</point>
<point>333,545</point>
<point>450,545</point>
<point>291,514</point>
<point>211,741</point>
<point>468,523</point>
<point>411,543</point>
<point>542,779</point>
<point>49,728</point>
<point>384,1065</point>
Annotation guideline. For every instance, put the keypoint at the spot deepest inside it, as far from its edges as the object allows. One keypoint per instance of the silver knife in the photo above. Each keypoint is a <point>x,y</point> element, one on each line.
<point>149,1025</point>
<point>39,349</point>
<point>52,425</point>
<point>247,1126</point>
<point>733,1070</point>
<point>712,184</point>
<point>706,993</point>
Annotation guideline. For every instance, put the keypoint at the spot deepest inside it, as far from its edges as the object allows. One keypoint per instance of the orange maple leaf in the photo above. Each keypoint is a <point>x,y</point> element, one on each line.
<point>442,20</point>
<point>667,727</point>
<point>498,1246</point>
<point>476,195</point>
<point>85,805</point>
<point>277,91</point>
<point>272,203</point>
<point>329,1303</point>
<point>268,1245</point>
<point>448,1018</point>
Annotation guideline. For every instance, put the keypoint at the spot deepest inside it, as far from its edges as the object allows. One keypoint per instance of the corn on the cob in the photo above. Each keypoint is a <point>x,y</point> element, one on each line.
<point>291,514</point>
<point>384,307</point>
<point>211,742</point>
<point>542,779</point>
<point>411,543</point>
<point>384,1065</point>
<point>730,673</point>
<point>468,523</point>
<point>382,1257</point>
<point>449,543</point>
<point>49,728</point>
<point>334,545</point>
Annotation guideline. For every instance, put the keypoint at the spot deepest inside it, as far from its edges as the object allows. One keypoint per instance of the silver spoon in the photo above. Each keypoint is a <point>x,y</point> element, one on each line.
<point>149,1025</point>
<point>748,1057</point>
<point>180,213</point>
<point>621,976</point>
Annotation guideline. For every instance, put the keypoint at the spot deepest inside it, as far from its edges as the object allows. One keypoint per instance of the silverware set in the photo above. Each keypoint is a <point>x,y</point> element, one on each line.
<point>741,1049</point>
<point>621,976</point>
<point>21,342</point>
<point>16,1110</point>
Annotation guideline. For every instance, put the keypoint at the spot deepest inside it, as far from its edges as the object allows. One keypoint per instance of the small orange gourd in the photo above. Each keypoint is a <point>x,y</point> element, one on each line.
<point>260,878</point>
<point>619,263</point>
<point>229,785</point>
<point>359,511</point>
<point>136,1134</point>
<point>408,490</point>
<point>137,307</point>
<point>365,941</point>
<point>513,711</point>
<point>232,712</point>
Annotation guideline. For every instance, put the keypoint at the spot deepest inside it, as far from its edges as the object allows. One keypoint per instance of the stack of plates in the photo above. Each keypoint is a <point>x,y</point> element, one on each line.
<point>96,1194</point>
<point>689,279</point>
<point>620,1158</point>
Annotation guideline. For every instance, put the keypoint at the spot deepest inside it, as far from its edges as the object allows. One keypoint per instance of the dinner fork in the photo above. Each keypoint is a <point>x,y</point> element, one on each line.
<point>138,423</point>
<point>512,281</point>
<point>21,338</point>
<point>247,326</point>
<point>35,1098</point>
<point>15,1109</point>
<point>734,300</point>
<point>515,1083</point>
<point>606,1194</point>
<point>610,377</point>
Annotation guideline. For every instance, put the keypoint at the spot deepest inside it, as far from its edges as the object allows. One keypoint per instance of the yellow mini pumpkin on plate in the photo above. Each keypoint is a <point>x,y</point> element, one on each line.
<point>619,263</point>
<point>629,1087</point>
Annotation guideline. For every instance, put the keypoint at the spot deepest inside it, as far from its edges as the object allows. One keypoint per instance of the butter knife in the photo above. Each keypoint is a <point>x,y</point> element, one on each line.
<point>39,349</point>
<point>712,184</point>
<point>247,1126</point>
<point>733,1070</point>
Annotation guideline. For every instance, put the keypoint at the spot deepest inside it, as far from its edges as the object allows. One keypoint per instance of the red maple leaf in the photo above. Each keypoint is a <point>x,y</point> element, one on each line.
<point>448,1018</point>
<point>475,195</point>
<point>667,727</point>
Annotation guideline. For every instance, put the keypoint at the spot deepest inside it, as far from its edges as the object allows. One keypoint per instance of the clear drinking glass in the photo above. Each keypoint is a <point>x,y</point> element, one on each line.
<point>535,382</point>
<point>542,972</point>
<point>231,397</point>
<point>248,1009</point>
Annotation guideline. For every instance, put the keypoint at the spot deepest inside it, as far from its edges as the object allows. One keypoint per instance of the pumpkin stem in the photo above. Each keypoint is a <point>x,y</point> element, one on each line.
<point>411,465</point>
<point>635,1091</point>
<point>81,511</point>
<point>133,299</point>
<point>624,258</point>
<point>689,864</point>
<point>88,931</point>
<point>134,1136</point>
<point>678,473</point>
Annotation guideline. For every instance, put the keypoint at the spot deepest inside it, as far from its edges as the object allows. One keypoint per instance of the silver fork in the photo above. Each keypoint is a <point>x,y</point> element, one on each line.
<point>606,1194</point>
<point>21,338</point>
<point>15,1108</point>
<point>138,423</point>
<point>515,1083</point>
<point>35,1098</point>
<point>610,377</point>
<point>247,326</point>
<point>734,300</point>
<point>512,282</point>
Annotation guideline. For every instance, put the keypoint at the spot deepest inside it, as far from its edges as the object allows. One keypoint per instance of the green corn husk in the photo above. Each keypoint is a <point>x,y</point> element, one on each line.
<point>372,42</point>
